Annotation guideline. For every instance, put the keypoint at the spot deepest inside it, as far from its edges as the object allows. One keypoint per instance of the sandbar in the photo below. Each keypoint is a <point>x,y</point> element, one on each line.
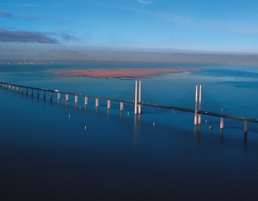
<point>120,72</point>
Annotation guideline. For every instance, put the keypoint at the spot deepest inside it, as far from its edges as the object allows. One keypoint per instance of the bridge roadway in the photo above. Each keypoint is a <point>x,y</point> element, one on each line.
<point>70,93</point>
<point>241,118</point>
<point>202,112</point>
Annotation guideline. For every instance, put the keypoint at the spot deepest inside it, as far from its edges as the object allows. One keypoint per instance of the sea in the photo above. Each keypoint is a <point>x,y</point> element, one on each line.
<point>61,150</point>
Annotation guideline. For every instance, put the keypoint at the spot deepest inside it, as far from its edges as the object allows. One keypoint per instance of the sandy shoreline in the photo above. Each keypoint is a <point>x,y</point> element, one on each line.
<point>119,73</point>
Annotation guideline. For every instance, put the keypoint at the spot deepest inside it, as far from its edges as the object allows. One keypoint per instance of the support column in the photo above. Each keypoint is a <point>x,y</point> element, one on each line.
<point>44,95</point>
<point>97,102</point>
<point>76,98</point>
<point>37,93</point>
<point>245,127</point>
<point>121,106</point>
<point>50,95</point>
<point>196,105</point>
<point>58,96</point>
<point>221,123</point>
<point>17,88</point>
<point>27,91</point>
<point>66,97</point>
<point>32,92</point>
<point>108,104</point>
<point>85,100</point>
<point>139,96</point>
<point>200,104</point>
<point>135,96</point>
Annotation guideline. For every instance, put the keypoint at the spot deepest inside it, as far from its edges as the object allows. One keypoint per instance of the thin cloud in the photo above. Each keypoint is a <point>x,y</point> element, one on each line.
<point>65,36</point>
<point>27,17</point>
<point>161,15</point>
<point>30,5</point>
<point>26,37</point>
<point>5,14</point>
<point>238,27</point>
<point>144,2</point>
<point>22,5</point>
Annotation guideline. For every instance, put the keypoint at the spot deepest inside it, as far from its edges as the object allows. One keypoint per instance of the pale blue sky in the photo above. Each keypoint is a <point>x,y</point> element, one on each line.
<point>195,25</point>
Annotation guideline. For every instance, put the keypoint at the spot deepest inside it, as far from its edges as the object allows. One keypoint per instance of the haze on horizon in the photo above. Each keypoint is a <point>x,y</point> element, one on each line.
<point>130,30</point>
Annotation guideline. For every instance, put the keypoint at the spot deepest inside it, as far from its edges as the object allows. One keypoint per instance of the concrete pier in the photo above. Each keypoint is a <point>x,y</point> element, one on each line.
<point>76,98</point>
<point>17,88</point>
<point>121,106</point>
<point>86,100</point>
<point>44,94</point>
<point>97,102</point>
<point>58,96</point>
<point>37,93</point>
<point>31,92</point>
<point>221,126</point>
<point>108,104</point>
<point>50,95</point>
<point>245,127</point>
<point>27,91</point>
<point>67,97</point>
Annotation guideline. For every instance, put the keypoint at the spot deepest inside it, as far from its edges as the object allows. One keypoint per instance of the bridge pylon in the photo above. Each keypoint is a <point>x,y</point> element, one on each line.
<point>137,97</point>
<point>198,104</point>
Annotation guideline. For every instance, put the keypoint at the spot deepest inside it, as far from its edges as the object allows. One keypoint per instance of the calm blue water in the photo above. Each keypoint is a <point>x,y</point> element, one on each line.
<point>48,156</point>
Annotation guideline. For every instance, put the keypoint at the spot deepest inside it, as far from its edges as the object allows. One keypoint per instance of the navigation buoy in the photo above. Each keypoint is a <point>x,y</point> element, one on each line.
<point>210,127</point>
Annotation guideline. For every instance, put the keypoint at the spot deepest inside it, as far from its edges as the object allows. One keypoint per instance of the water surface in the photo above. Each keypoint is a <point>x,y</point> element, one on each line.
<point>47,154</point>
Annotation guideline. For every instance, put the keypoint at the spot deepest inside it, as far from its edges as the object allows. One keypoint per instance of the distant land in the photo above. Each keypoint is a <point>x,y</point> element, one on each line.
<point>129,55</point>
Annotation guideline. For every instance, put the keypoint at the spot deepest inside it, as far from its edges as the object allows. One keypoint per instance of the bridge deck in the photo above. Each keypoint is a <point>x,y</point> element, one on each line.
<point>202,112</point>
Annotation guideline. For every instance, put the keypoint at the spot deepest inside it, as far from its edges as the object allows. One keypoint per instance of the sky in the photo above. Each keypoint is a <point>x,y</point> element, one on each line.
<point>54,29</point>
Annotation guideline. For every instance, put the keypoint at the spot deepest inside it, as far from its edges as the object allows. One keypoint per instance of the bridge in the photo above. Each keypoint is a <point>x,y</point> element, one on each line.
<point>137,102</point>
